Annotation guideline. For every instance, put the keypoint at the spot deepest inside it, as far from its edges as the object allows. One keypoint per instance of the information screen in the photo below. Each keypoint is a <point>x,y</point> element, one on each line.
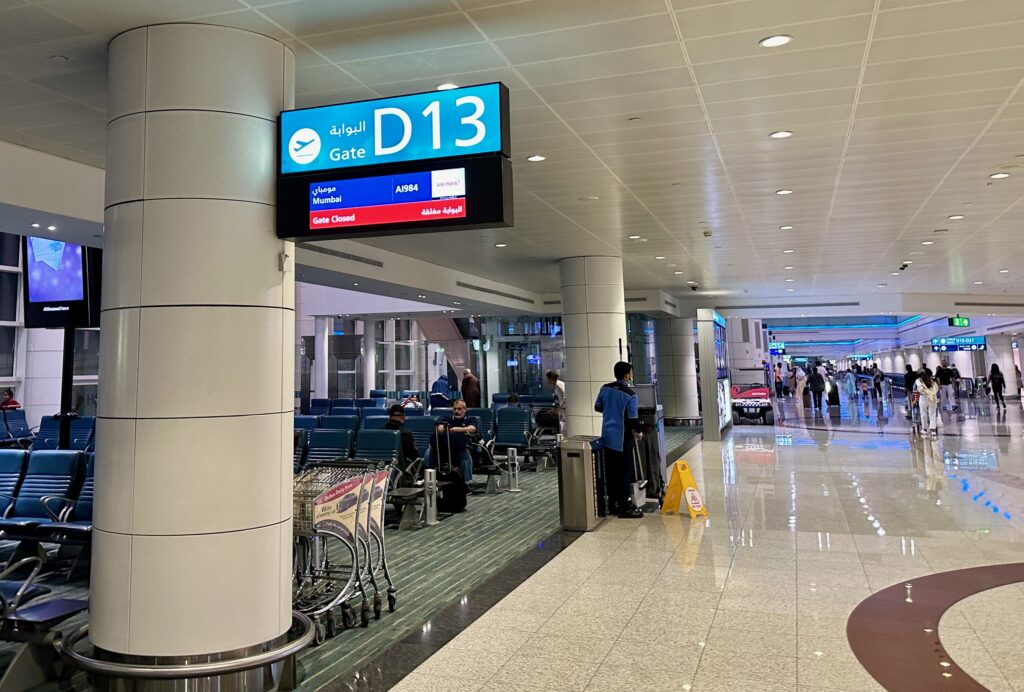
<point>54,271</point>
<point>407,197</point>
<point>416,127</point>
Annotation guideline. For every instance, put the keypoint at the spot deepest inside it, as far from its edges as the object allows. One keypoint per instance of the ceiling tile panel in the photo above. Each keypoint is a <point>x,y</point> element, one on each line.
<point>599,65</point>
<point>534,16</point>
<point>397,39</point>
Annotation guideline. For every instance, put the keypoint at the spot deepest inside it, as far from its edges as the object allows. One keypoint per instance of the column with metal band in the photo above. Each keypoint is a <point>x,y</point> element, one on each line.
<point>594,323</point>
<point>192,537</point>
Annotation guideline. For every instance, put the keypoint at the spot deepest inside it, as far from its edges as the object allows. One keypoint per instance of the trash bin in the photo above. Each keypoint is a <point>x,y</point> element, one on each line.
<point>579,495</point>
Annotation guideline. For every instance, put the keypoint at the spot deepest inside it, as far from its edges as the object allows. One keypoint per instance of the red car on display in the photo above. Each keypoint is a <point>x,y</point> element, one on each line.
<point>752,402</point>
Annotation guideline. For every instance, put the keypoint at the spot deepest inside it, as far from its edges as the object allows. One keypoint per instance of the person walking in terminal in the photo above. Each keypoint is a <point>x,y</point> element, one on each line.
<point>470,389</point>
<point>554,381</point>
<point>396,421</point>
<point>998,384</point>
<point>800,378</point>
<point>876,378</point>
<point>908,386</point>
<point>620,431</point>
<point>944,376</point>
<point>8,401</point>
<point>778,380</point>
<point>928,400</point>
<point>816,381</point>
<point>460,428</point>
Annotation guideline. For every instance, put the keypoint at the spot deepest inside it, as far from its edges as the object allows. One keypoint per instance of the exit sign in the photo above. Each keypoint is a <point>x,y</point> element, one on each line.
<point>959,321</point>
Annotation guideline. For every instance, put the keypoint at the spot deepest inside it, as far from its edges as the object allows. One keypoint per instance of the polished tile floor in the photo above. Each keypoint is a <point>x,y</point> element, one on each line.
<point>807,519</point>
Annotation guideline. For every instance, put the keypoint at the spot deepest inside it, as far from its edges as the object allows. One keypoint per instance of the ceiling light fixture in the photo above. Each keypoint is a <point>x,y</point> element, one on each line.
<point>421,296</point>
<point>788,267</point>
<point>775,41</point>
<point>447,86</point>
<point>1004,271</point>
<point>660,257</point>
<point>789,281</point>
<point>35,225</point>
<point>784,192</point>
<point>633,237</point>
<point>999,176</point>
<point>788,252</point>
<point>790,290</point>
<point>908,262</point>
<point>978,283</point>
<point>781,134</point>
<point>588,198</point>
<point>355,283</point>
<point>882,285</point>
<point>786,228</point>
<point>927,242</point>
<point>691,283</point>
<point>677,273</point>
<point>894,273</point>
<point>51,228</point>
<point>536,158</point>
<point>500,245</point>
<point>955,217</point>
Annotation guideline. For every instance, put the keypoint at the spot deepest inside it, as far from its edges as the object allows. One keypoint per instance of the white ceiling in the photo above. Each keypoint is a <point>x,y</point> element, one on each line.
<point>901,109</point>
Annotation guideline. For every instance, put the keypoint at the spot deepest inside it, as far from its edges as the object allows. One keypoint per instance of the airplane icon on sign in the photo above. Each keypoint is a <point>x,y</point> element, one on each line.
<point>299,146</point>
<point>304,146</point>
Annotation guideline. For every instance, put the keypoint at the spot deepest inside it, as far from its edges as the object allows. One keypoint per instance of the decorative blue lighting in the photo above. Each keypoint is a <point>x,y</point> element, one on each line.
<point>809,327</point>
<point>851,342</point>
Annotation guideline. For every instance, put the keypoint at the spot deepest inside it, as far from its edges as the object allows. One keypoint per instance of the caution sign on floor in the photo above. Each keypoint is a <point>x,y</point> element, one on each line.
<point>682,490</point>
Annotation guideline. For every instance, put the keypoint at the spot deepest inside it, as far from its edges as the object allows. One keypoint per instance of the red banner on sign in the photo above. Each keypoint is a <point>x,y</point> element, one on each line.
<point>389,213</point>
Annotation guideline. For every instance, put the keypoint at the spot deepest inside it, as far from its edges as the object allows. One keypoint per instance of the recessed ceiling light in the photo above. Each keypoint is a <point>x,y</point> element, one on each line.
<point>633,237</point>
<point>999,176</point>
<point>355,283</point>
<point>781,134</point>
<point>788,252</point>
<point>789,281</point>
<point>788,267</point>
<point>455,302</point>
<point>908,261</point>
<point>421,296</point>
<point>955,217</point>
<point>536,158</point>
<point>692,283</point>
<point>677,273</point>
<point>790,290</point>
<point>588,198</point>
<point>775,41</point>
<point>660,257</point>
<point>447,86</point>
<point>51,228</point>
<point>927,242</point>
<point>785,228</point>
<point>978,283</point>
<point>500,245</point>
<point>35,225</point>
<point>784,192</point>
<point>1004,271</point>
<point>882,285</point>
<point>894,273</point>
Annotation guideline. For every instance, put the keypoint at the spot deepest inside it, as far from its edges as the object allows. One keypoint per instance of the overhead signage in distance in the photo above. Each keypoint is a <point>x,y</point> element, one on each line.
<point>776,348</point>
<point>959,321</point>
<point>947,344</point>
<point>416,127</point>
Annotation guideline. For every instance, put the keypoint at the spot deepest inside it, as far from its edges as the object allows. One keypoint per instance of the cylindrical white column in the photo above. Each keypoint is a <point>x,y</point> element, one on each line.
<point>321,336</point>
<point>677,367</point>
<point>369,356</point>
<point>192,533</point>
<point>594,323</point>
<point>999,350</point>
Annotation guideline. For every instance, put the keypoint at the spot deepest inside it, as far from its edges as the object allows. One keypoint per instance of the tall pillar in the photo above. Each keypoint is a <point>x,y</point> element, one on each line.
<point>999,350</point>
<point>594,324</point>
<point>192,533</point>
<point>321,340</point>
<point>369,356</point>
<point>677,367</point>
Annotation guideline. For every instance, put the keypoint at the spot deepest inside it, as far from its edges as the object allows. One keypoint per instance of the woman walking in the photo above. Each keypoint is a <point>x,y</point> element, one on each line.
<point>928,399</point>
<point>998,384</point>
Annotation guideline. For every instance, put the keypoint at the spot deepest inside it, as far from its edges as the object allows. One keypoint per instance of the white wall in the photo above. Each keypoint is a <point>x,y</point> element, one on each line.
<point>40,392</point>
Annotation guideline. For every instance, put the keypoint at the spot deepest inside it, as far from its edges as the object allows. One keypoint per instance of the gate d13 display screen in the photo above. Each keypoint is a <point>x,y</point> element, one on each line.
<point>402,198</point>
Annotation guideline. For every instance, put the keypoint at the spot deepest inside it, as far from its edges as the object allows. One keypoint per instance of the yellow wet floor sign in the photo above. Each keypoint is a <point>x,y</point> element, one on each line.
<point>682,489</point>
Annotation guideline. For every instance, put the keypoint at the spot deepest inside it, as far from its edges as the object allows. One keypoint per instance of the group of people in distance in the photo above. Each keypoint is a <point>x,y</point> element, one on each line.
<point>928,390</point>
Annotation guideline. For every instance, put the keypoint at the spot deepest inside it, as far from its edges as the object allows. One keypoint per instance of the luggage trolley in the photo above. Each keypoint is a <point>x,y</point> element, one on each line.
<point>328,506</point>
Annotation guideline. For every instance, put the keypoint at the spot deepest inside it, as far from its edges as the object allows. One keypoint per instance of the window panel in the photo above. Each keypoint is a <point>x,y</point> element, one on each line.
<point>7,339</point>
<point>10,248</point>
<point>87,352</point>
<point>8,296</point>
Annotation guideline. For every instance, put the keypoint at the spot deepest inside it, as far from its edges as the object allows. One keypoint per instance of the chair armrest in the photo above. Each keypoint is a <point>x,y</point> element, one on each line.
<point>10,606</point>
<point>64,511</point>
<point>10,503</point>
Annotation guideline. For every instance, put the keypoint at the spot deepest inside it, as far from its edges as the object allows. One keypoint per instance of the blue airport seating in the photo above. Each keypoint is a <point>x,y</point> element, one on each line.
<point>422,429</point>
<point>512,429</point>
<point>413,411</point>
<point>299,453</point>
<point>15,429</point>
<point>486,418</point>
<point>368,411</point>
<point>50,473</point>
<point>12,470</point>
<point>379,445</point>
<point>48,435</point>
<point>378,394</point>
<point>307,422</point>
<point>329,445</point>
<point>439,401</point>
<point>526,399</point>
<point>340,423</point>
<point>375,422</point>
<point>83,433</point>
<point>340,403</point>
<point>442,413</point>
<point>543,400</point>
<point>73,519</point>
<point>370,403</point>
<point>345,411</point>
<point>319,407</point>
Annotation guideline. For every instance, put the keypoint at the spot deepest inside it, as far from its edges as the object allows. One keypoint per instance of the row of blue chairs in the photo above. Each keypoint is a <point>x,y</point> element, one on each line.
<point>325,407</point>
<point>326,445</point>
<point>15,432</point>
<point>47,495</point>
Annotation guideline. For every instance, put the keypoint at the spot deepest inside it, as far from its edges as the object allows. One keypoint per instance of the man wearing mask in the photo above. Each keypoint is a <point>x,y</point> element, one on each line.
<point>620,430</point>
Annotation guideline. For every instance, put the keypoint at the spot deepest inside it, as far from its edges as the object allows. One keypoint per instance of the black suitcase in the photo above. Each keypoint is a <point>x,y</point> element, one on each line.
<point>452,490</point>
<point>833,395</point>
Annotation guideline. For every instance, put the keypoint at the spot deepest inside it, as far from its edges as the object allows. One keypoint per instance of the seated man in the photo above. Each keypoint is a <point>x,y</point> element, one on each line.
<point>458,429</point>
<point>396,421</point>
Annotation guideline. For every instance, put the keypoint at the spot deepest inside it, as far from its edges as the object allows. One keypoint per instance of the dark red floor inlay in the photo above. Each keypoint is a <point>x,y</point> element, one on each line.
<point>895,632</point>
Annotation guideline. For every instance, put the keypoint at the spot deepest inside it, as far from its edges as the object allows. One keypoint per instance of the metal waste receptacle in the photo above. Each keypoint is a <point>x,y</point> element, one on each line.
<point>578,491</point>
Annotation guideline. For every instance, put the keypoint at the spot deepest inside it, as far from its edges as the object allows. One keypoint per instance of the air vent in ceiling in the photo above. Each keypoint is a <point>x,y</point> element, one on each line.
<point>341,255</point>
<point>491,291</point>
<point>671,304</point>
<point>552,302</point>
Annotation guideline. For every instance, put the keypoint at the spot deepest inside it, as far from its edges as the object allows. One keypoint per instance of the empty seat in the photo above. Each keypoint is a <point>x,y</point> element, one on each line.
<point>442,413</point>
<point>340,423</point>
<point>486,418</point>
<point>12,470</point>
<point>512,428</point>
<point>370,403</point>
<point>319,407</point>
<point>306,422</point>
<point>413,411</point>
<point>422,429</point>
<point>328,445</point>
<point>75,522</point>
<point>378,394</point>
<point>15,429</point>
<point>48,435</point>
<point>379,445</point>
<point>340,403</point>
<point>345,411</point>
<point>50,473</point>
<point>375,422</point>
<point>83,431</point>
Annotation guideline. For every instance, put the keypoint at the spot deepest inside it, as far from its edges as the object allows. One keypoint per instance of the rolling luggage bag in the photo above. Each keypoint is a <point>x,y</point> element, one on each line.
<point>451,498</point>
<point>833,395</point>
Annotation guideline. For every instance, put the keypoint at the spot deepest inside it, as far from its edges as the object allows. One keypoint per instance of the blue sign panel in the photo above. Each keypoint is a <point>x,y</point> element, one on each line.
<point>945,344</point>
<point>438,124</point>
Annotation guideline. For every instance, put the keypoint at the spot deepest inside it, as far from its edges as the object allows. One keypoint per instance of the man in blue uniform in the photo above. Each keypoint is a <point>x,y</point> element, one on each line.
<point>620,429</point>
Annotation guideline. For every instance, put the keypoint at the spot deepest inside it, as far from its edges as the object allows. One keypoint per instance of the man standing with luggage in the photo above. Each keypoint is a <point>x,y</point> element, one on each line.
<point>620,430</point>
